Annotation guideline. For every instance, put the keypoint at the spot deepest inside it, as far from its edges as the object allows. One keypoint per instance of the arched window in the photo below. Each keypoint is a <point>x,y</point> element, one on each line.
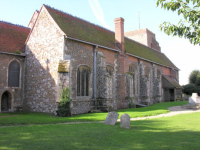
<point>83,74</point>
<point>109,79</point>
<point>13,74</point>
<point>132,81</point>
<point>147,71</point>
<point>158,74</point>
<point>159,82</point>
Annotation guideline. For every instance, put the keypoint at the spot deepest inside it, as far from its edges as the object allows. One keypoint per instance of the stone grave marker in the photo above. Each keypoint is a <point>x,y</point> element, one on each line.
<point>125,121</point>
<point>111,118</point>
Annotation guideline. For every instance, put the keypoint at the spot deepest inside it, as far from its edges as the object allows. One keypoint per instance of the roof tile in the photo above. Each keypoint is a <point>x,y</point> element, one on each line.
<point>12,37</point>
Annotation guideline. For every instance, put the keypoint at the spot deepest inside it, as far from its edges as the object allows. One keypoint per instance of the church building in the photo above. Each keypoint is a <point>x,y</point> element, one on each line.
<point>103,69</point>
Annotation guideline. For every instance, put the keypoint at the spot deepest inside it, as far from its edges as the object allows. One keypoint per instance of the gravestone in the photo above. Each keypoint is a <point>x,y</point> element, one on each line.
<point>111,118</point>
<point>125,121</point>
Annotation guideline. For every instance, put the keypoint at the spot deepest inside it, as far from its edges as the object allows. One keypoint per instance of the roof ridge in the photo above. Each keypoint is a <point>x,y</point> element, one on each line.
<point>78,18</point>
<point>9,23</point>
<point>142,44</point>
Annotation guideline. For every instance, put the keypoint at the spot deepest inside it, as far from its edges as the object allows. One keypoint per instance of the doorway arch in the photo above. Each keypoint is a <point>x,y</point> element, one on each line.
<point>6,101</point>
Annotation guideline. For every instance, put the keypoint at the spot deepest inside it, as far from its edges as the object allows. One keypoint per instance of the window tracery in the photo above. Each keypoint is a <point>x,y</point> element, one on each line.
<point>83,74</point>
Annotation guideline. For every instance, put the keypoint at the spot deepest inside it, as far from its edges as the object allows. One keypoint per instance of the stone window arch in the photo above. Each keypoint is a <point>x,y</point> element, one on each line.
<point>83,76</point>
<point>6,102</point>
<point>132,71</point>
<point>14,74</point>
<point>109,81</point>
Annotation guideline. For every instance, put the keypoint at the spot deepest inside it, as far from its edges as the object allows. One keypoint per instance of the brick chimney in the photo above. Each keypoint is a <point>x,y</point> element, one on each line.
<point>119,33</point>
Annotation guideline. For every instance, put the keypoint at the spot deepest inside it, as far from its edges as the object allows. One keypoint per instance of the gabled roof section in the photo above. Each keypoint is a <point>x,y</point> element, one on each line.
<point>80,29</point>
<point>142,51</point>
<point>173,82</point>
<point>12,37</point>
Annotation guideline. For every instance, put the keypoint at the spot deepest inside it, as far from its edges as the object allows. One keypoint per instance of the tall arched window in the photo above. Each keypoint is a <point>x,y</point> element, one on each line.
<point>83,74</point>
<point>132,81</point>
<point>109,79</point>
<point>159,82</point>
<point>147,76</point>
<point>13,74</point>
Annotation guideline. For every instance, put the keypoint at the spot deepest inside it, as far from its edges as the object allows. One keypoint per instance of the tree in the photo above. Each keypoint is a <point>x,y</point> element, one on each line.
<point>193,76</point>
<point>194,83</point>
<point>190,28</point>
<point>191,88</point>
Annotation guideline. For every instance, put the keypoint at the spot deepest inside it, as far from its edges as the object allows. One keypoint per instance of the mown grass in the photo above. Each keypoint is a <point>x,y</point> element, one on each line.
<point>42,118</point>
<point>181,132</point>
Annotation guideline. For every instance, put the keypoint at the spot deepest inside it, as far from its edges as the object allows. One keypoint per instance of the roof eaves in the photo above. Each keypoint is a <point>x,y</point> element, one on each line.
<point>151,61</point>
<point>91,43</point>
<point>22,54</point>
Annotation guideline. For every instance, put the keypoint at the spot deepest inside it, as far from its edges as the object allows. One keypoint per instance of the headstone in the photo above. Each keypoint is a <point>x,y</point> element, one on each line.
<point>125,121</point>
<point>111,118</point>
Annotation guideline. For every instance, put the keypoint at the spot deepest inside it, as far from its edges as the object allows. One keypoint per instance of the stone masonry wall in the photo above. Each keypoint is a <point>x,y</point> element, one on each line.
<point>44,50</point>
<point>17,93</point>
<point>79,54</point>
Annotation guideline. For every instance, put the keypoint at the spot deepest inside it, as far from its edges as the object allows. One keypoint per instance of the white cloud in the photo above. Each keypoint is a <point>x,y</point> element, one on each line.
<point>98,12</point>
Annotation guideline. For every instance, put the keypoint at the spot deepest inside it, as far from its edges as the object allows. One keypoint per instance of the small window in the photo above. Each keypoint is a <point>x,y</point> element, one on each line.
<point>83,74</point>
<point>13,74</point>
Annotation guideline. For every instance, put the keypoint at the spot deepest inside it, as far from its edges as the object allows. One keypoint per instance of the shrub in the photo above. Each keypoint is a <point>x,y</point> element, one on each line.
<point>64,104</point>
<point>191,88</point>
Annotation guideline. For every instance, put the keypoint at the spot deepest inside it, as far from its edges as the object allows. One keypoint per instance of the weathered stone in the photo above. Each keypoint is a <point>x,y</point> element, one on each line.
<point>111,118</point>
<point>125,121</point>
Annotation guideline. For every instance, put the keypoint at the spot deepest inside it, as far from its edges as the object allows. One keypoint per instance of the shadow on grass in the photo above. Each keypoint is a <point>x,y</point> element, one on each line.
<point>42,118</point>
<point>146,134</point>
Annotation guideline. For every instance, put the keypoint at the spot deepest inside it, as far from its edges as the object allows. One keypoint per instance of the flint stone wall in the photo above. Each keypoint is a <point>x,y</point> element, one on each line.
<point>44,50</point>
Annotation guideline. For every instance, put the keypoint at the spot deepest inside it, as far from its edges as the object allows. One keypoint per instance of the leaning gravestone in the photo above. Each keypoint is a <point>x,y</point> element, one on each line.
<point>111,118</point>
<point>125,121</point>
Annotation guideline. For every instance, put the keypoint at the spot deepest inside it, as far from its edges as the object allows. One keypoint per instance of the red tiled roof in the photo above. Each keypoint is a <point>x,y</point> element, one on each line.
<point>83,30</point>
<point>12,37</point>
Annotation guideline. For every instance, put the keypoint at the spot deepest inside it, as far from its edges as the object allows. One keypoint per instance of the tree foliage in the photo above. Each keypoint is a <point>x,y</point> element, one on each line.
<point>190,27</point>
<point>191,88</point>
<point>193,76</point>
<point>194,83</point>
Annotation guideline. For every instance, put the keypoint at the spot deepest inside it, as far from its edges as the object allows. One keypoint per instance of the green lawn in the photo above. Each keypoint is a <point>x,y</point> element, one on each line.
<point>42,118</point>
<point>181,132</point>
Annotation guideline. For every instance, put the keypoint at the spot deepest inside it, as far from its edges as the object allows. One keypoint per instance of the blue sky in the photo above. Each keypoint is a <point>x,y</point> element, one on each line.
<point>103,12</point>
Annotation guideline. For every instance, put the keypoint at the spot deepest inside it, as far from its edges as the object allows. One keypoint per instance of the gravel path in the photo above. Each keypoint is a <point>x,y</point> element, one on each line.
<point>175,110</point>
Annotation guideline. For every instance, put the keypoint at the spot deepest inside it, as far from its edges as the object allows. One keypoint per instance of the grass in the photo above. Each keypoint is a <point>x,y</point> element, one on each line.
<point>42,118</point>
<point>181,132</point>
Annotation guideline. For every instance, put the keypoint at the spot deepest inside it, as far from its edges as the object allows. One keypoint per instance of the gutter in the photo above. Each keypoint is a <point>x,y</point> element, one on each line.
<point>67,37</point>
<point>22,55</point>
<point>151,61</point>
